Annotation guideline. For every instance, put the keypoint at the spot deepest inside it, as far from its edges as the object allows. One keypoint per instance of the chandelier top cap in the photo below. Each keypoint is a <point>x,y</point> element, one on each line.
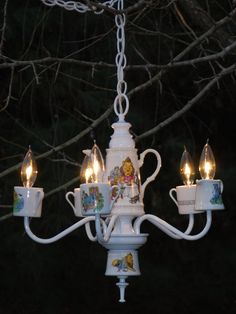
<point>121,138</point>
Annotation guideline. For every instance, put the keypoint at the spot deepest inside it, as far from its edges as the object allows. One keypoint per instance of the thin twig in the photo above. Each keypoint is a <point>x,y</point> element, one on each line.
<point>6,216</point>
<point>189,104</point>
<point>4,26</point>
<point>9,90</point>
<point>65,144</point>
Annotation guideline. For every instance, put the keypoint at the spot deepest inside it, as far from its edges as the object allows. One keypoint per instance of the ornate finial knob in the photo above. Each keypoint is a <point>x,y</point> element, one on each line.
<point>122,284</point>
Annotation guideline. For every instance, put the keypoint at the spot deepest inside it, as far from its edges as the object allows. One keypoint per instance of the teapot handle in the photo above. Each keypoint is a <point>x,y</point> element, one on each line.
<point>153,176</point>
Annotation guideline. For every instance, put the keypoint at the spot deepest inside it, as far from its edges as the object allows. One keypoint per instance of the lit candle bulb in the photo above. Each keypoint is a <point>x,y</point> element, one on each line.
<point>207,165</point>
<point>93,166</point>
<point>29,170</point>
<point>186,168</point>
<point>28,199</point>
<point>97,164</point>
<point>86,168</point>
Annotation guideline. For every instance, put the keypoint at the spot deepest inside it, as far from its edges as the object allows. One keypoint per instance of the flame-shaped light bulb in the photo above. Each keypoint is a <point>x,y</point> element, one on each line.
<point>93,166</point>
<point>186,168</point>
<point>97,164</point>
<point>29,170</point>
<point>207,165</point>
<point>86,170</point>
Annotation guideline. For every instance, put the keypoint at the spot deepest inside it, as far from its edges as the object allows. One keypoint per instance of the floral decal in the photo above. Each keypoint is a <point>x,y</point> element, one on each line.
<point>94,200</point>
<point>124,264</point>
<point>126,177</point>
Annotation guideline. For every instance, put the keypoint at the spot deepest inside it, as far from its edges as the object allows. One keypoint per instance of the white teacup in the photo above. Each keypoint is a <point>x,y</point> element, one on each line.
<point>185,200</point>
<point>97,198</point>
<point>209,195</point>
<point>76,205</point>
<point>27,201</point>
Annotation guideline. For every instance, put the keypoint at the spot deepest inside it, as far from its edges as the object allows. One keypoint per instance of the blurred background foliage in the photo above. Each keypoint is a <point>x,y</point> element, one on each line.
<point>53,102</point>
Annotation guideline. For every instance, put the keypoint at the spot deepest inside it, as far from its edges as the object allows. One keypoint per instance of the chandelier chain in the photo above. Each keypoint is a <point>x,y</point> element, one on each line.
<point>121,99</point>
<point>121,102</point>
<point>79,6</point>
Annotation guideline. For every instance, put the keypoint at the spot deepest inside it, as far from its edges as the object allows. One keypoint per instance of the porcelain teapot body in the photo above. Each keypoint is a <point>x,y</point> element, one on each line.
<point>123,170</point>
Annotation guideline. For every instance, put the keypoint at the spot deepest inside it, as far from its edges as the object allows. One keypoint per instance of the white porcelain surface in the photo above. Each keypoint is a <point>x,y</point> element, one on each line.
<point>27,201</point>
<point>209,195</point>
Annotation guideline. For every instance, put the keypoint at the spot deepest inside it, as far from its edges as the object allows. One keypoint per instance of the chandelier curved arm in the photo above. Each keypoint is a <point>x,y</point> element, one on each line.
<point>172,231</point>
<point>92,237</point>
<point>59,235</point>
<point>163,228</point>
<point>104,236</point>
<point>89,233</point>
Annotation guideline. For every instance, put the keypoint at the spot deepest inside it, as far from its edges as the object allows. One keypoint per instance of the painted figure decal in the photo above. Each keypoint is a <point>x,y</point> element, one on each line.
<point>127,173</point>
<point>126,177</point>
<point>124,264</point>
<point>216,198</point>
<point>92,201</point>
<point>18,204</point>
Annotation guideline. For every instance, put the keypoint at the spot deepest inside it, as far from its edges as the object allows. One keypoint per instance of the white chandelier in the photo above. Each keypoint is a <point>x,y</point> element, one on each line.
<point>111,195</point>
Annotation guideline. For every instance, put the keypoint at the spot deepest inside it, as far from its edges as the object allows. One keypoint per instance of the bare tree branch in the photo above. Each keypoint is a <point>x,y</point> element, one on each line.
<point>195,43</point>
<point>199,17</point>
<point>9,91</point>
<point>189,104</point>
<point>4,26</point>
<point>65,144</point>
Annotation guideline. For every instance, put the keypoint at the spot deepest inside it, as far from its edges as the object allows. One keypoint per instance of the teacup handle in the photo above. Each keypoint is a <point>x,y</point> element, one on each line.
<point>68,199</point>
<point>40,195</point>
<point>153,176</point>
<point>171,195</point>
<point>221,186</point>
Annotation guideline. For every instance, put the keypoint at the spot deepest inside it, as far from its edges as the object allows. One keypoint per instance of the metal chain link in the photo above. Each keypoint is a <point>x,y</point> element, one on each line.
<point>121,88</point>
<point>78,6</point>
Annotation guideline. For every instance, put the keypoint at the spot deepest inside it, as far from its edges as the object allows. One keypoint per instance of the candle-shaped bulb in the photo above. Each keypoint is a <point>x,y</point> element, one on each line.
<point>207,165</point>
<point>86,168</point>
<point>97,164</point>
<point>93,166</point>
<point>29,170</point>
<point>186,168</point>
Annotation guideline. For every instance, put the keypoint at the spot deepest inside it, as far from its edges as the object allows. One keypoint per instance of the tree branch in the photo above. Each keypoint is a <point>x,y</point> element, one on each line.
<point>65,144</point>
<point>189,104</point>
<point>4,26</point>
<point>9,90</point>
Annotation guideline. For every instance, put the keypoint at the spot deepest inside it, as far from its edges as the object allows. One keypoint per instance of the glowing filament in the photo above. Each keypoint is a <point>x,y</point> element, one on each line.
<point>187,172</point>
<point>88,173</point>
<point>96,169</point>
<point>186,168</point>
<point>29,170</point>
<point>207,166</point>
<point>93,166</point>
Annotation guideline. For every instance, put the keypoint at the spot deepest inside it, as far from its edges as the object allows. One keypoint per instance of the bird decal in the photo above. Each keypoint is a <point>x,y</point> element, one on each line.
<point>125,263</point>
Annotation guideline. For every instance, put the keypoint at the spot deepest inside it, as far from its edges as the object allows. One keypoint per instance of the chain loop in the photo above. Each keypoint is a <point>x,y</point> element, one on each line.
<point>121,61</point>
<point>78,6</point>
<point>118,103</point>
<point>121,87</point>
